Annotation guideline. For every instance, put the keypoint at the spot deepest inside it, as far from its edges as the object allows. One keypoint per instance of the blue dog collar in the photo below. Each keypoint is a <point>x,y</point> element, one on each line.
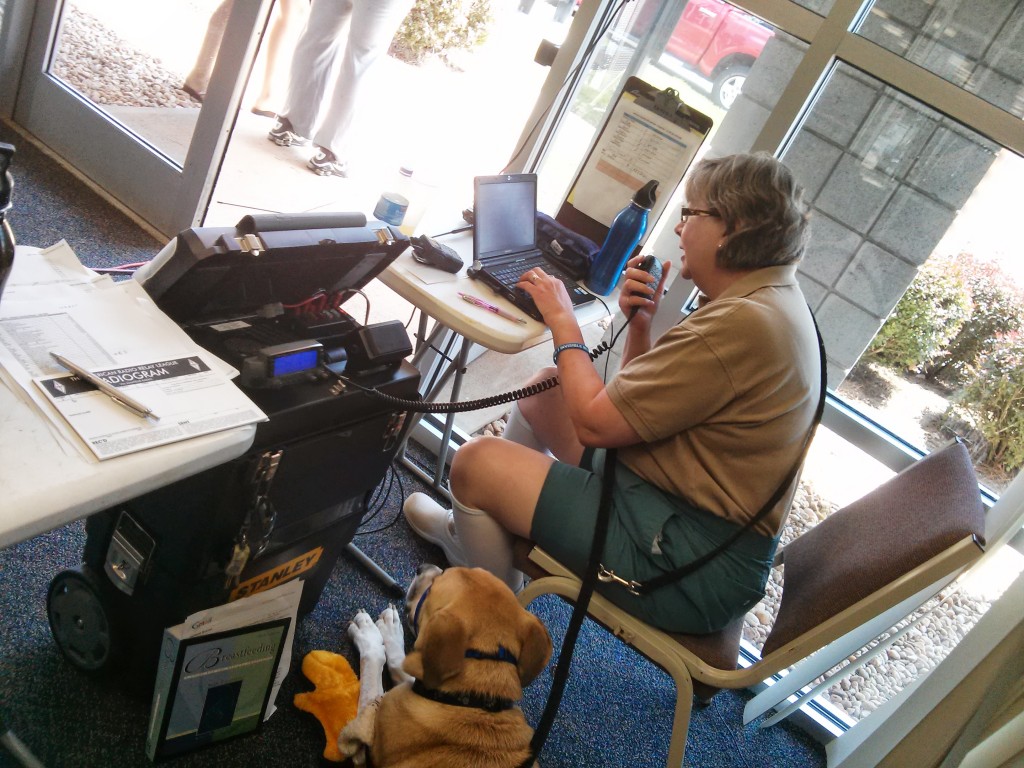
<point>503,654</point>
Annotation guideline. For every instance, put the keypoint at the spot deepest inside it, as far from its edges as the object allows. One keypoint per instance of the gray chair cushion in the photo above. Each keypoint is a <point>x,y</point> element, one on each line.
<point>925,509</point>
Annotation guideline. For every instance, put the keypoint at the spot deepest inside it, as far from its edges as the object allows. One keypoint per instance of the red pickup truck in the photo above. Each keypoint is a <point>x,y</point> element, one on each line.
<point>720,42</point>
<point>712,38</point>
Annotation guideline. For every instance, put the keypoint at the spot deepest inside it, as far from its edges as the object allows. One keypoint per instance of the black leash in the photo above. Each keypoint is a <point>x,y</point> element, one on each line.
<point>561,674</point>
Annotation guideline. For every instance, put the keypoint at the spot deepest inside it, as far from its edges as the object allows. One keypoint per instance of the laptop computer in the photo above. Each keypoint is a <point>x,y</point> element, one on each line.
<point>505,239</point>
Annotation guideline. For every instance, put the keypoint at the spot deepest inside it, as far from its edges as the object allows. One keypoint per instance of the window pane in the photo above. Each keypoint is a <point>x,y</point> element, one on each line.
<point>978,46</point>
<point>98,55</point>
<point>913,236</point>
<point>818,6</point>
<point>709,51</point>
<point>902,196</point>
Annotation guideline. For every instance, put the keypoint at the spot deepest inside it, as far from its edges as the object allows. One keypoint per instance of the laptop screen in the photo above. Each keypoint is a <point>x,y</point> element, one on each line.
<point>504,214</point>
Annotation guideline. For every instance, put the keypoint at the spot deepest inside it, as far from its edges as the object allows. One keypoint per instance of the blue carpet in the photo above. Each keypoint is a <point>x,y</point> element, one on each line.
<point>616,711</point>
<point>50,205</point>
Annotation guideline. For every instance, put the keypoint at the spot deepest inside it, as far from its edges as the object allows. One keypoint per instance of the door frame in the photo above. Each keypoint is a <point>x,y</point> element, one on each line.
<point>139,177</point>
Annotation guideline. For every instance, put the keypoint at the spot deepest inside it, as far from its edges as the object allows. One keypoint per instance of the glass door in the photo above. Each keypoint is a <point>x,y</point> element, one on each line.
<point>136,97</point>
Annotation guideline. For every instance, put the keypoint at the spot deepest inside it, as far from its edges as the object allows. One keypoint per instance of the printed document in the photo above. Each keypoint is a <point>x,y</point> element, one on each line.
<point>53,304</point>
<point>636,145</point>
<point>219,688</point>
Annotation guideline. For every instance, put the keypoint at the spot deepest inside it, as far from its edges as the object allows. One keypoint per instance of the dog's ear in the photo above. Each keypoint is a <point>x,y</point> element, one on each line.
<point>536,648</point>
<point>440,649</point>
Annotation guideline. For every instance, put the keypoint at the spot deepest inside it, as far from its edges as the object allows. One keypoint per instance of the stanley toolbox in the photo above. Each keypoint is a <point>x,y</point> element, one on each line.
<point>264,296</point>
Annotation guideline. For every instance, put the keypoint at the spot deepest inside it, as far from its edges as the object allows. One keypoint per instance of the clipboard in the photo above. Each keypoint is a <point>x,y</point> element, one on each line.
<point>650,134</point>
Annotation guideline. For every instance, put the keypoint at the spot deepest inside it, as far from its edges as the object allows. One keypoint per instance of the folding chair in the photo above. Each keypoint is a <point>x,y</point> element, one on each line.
<point>847,580</point>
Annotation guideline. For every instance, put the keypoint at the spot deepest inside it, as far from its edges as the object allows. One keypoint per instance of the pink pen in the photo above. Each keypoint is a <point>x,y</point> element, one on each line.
<point>477,302</point>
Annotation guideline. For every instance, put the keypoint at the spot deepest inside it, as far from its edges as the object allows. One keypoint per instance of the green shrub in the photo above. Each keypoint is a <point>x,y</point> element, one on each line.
<point>995,400</point>
<point>998,310</point>
<point>931,313</point>
<point>437,27</point>
<point>961,322</point>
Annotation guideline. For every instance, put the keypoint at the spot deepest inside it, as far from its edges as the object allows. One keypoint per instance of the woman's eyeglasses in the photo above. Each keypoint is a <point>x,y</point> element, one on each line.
<point>688,212</point>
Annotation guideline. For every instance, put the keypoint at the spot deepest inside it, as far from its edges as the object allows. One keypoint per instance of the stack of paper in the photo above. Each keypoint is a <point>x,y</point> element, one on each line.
<point>54,304</point>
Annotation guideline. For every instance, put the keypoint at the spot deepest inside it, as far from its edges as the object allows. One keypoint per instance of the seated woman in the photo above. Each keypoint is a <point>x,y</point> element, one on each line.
<point>708,420</point>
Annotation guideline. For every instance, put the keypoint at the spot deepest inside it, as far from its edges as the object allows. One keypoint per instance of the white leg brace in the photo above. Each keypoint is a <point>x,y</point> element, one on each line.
<point>486,544</point>
<point>518,430</point>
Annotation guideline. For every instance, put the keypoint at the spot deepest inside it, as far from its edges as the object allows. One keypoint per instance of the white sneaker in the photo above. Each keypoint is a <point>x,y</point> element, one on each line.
<point>434,523</point>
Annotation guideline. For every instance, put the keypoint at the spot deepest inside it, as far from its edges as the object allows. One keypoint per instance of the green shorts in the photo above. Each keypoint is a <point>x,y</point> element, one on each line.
<point>651,532</point>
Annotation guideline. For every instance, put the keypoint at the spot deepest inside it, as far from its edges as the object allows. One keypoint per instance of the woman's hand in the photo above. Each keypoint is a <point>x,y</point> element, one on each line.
<point>550,296</point>
<point>640,294</point>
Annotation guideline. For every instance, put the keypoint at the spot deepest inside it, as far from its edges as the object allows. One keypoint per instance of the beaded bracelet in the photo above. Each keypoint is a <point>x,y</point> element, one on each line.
<point>571,345</point>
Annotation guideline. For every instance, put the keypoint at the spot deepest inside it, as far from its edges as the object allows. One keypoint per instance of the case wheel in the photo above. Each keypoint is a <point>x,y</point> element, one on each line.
<point>80,620</point>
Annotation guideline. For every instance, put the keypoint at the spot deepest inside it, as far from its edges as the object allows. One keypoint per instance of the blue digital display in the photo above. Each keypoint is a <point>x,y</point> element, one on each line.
<point>295,362</point>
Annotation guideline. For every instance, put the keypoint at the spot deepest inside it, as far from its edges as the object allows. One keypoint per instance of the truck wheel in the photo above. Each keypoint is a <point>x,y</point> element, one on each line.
<point>80,620</point>
<point>728,85</point>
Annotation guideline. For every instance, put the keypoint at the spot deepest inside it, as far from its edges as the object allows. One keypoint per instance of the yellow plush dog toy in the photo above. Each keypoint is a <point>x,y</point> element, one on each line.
<point>335,698</point>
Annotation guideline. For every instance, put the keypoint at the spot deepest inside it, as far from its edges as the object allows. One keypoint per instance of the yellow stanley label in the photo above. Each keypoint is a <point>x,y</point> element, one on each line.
<point>279,574</point>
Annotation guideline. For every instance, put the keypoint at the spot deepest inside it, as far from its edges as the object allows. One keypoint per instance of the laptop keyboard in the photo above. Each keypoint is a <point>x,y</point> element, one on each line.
<point>510,275</point>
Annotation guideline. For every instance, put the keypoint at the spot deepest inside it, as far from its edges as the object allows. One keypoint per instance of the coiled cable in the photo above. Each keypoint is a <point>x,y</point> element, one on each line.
<point>421,406</point>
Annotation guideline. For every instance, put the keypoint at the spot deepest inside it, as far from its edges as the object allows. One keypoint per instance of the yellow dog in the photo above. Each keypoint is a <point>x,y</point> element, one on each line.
<point>454,703</point>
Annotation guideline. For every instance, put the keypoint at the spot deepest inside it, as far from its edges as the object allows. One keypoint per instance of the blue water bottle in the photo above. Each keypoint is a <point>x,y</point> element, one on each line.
<point>625,232</point>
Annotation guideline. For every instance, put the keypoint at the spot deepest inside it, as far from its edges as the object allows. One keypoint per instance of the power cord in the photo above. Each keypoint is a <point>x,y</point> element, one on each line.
<point>380,500</point>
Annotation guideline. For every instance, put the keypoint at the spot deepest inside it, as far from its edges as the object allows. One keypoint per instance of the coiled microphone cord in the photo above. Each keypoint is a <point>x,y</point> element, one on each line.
<point>421,406</point>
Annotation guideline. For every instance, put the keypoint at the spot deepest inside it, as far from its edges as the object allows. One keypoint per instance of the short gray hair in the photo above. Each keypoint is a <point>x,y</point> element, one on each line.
<point>761,205</point>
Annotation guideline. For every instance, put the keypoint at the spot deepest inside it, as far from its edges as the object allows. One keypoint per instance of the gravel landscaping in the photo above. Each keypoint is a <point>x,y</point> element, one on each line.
<point>110,71</point>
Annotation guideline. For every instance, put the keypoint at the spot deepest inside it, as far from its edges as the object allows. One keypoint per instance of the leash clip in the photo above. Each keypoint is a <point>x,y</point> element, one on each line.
<point>609,576</point>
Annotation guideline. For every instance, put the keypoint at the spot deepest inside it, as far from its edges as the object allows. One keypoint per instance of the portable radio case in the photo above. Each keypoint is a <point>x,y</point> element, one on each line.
<point>297,496</point>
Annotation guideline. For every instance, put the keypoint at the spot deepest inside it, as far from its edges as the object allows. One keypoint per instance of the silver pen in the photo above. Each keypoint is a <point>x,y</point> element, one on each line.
<point>113,393</point>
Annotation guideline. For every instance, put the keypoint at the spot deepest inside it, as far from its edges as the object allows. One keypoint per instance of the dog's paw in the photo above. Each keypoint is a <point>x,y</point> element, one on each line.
<point>389,624</point>
<point>365,635</point>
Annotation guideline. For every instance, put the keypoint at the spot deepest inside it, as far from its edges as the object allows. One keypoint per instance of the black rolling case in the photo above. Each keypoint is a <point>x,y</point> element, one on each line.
<point>264,296</point>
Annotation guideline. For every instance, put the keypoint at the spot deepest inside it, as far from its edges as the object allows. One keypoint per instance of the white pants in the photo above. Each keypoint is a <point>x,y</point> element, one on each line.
<point>329,67</point>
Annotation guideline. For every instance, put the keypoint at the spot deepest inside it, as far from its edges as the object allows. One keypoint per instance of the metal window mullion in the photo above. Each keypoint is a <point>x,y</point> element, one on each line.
<point>786,17</point>
<point>794,102</point>
<point>934,91</point>
<point>559,86</point>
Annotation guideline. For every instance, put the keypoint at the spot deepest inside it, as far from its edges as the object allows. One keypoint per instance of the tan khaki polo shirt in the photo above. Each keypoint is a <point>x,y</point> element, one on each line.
<point>725,399</point>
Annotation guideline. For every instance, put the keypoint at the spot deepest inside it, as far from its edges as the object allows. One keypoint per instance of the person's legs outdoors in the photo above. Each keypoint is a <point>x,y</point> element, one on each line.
<point>313,69</point>
<point>199,77</point>
<point>289,18</point>
<point>374,23</point>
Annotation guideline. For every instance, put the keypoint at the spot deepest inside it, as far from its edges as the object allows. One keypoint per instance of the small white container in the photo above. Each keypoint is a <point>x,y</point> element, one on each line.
<point>419,195</point>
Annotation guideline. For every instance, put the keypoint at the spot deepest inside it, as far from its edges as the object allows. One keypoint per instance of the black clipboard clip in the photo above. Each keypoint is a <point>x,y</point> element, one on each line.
<point>667,103</point>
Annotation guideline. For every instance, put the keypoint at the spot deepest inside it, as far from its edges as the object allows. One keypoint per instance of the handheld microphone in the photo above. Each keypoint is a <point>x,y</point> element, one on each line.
<point>651,266</point>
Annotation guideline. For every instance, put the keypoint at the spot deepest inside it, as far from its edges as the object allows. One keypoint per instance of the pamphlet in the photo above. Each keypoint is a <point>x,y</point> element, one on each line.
<point>187,396</point>
<point>213,687</point>
<point>53,304</point>
<point>220,671</point>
